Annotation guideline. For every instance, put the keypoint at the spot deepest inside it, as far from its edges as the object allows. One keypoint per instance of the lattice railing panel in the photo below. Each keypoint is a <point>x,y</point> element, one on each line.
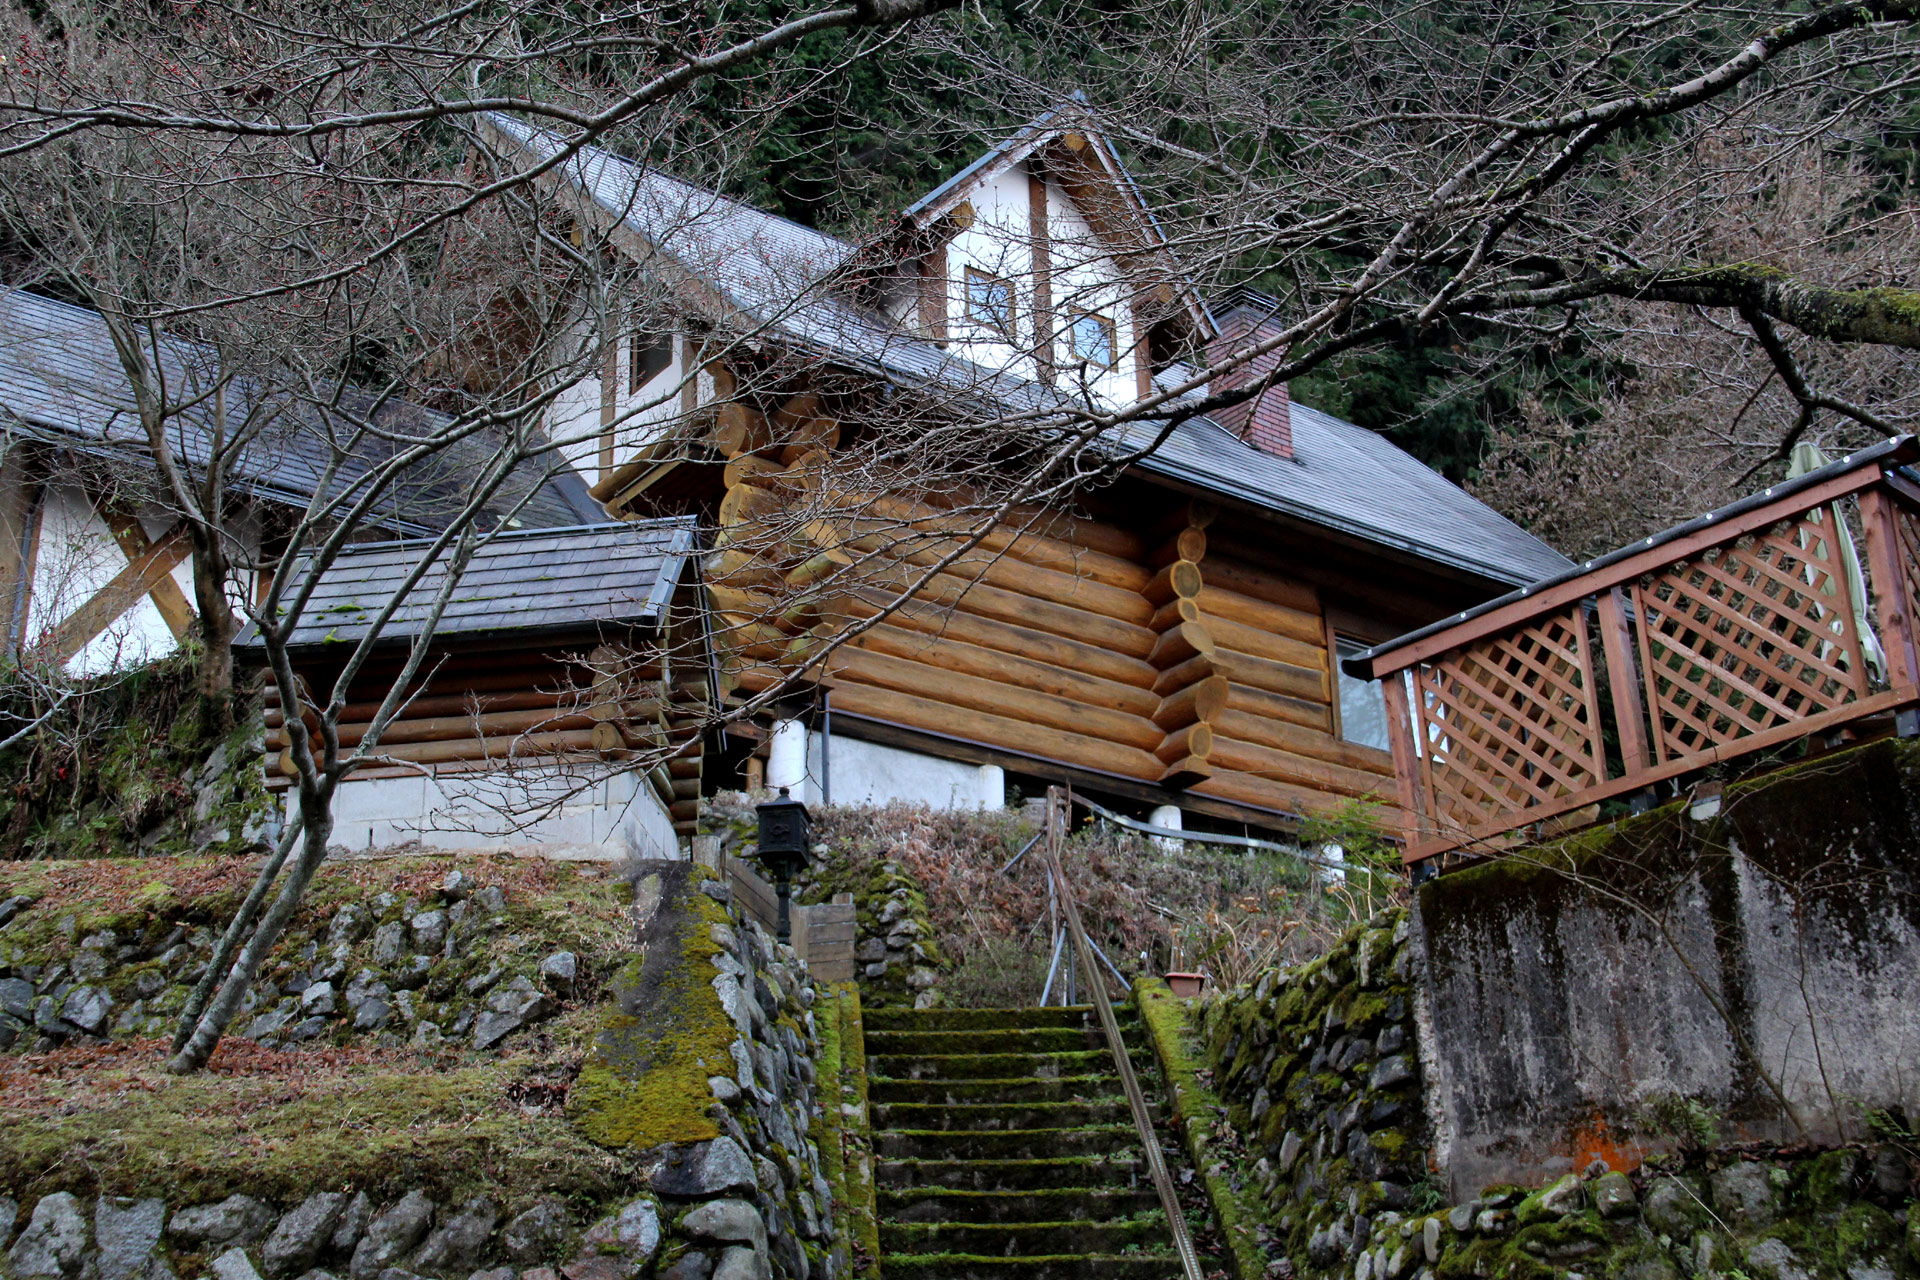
<point>1906,525</point>
<point>1748,636</point>
<point>1511,721</point>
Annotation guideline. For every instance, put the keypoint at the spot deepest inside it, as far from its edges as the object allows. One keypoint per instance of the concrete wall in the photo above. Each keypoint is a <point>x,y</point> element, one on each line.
<point>606,819</point>
<point>869,773</point>
<point>1760,960</point>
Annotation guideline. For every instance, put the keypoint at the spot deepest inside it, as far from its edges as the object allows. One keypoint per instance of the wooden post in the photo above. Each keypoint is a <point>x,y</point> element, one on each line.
<point>1406,760</point>
<point>1623,679</point>
<point>1041,247</point>
<point>1887,578</point>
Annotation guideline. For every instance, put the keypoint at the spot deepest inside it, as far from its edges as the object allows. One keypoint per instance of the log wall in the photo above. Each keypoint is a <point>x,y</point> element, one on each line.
<point>1149,655</point>
<point>596,705</point>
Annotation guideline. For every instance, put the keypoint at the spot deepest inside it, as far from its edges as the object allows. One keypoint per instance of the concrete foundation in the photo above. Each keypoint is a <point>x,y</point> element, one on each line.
<point>869,773</point>
<point>545,809</point>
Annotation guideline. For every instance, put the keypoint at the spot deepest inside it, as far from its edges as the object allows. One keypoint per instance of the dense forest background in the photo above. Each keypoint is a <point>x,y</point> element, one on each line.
<point>1635,418</point>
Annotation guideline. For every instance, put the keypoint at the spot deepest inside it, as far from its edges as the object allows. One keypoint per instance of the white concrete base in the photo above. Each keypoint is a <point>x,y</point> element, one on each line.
<point>869,773</point>
<point>1167,815</point>
<point>534,810</point>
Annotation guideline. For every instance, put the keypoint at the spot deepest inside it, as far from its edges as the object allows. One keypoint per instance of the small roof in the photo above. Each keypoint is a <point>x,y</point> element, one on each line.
<point>521,583</point>
<point>781,276</point>
<point>61,381</point>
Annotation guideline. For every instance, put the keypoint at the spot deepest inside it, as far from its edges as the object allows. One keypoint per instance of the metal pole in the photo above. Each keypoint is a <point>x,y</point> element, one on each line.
<point>826,746</point>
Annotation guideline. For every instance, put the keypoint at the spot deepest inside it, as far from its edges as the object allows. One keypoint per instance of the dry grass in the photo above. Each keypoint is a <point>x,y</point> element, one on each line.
<point>1229,913</point>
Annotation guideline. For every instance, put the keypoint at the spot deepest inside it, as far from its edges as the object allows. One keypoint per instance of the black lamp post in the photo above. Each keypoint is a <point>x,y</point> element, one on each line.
<point>785,829</point>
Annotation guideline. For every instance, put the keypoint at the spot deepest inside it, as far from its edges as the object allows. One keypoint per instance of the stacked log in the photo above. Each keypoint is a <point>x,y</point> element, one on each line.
<point>516,708</point>
<point>1191,692</point>
<point>1159,659</point>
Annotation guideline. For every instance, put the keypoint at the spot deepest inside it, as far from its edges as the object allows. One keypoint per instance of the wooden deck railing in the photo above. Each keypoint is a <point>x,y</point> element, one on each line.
<point>1730,634</point>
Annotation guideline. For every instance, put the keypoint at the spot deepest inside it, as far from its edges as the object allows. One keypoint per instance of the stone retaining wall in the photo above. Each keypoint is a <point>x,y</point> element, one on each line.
<point>330,1235</point>
<point>1319,1071</point>
<point>709,1069</point>
<point>454,965</point>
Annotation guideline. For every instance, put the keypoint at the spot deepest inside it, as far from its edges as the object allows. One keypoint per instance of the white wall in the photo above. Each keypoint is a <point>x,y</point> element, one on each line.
<point>573,421</point>
<point>76,555</point>
<point>869,773</point>
<point>1084,277</point>
<point>604,820</point>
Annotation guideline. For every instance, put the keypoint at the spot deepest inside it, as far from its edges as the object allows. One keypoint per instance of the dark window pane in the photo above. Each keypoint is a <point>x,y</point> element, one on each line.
<point>651,355</point>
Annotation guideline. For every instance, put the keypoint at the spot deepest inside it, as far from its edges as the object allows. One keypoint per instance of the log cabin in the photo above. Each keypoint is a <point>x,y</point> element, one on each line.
<point>96,573</point>
<point>1171,641</point>
<point>561,655</point>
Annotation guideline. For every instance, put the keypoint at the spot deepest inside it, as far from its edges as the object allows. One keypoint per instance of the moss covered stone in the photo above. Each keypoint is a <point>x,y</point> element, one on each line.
<point>644,1082</point>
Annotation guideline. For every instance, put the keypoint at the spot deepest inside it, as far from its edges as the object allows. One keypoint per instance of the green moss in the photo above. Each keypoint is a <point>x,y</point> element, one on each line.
<point>644,1082</point>
<point>200,1138</point>
<point>1829,1178</point>
<point>1170,1034</point>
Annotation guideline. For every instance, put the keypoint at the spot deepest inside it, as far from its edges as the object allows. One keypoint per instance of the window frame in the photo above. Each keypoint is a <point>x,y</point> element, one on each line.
<point>1107,325</point>
<point>657,342</point>
<point>1009,329</point>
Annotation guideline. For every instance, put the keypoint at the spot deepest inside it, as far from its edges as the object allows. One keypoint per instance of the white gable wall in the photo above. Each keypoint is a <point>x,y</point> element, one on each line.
<point>1084,277</point>
<point>76,555</point>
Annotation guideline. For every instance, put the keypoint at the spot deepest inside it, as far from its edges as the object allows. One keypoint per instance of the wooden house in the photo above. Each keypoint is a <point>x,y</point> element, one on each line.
<point>1172,641</point>
<point>561,654</point>
<point>95,570</point>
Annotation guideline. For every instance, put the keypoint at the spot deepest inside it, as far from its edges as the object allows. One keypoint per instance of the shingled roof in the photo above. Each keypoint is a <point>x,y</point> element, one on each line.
<point>783,277</point>
<point>521,583</point>
<point>61,382</point>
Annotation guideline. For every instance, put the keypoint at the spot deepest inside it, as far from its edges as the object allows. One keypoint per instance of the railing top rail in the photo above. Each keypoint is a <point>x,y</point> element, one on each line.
<point>1837,479</point>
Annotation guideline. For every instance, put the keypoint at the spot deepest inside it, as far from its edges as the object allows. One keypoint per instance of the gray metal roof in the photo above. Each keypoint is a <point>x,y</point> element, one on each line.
<point>61,382</point>
<point>532,580</point>
<point>781,275</point>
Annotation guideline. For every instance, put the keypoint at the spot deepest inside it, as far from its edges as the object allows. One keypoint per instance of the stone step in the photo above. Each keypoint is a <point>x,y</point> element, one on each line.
<point>975,1116</point>
<point>1040,1204</point>
<point>977,1066</point>
<point>1007,1239</point>
<point>985,1019</point>
<point>1002,1040</point>
<point>1002,1144</point>
<point>1032,1089</point>
<point>1045,1267</point>
<point>1117,1168</point>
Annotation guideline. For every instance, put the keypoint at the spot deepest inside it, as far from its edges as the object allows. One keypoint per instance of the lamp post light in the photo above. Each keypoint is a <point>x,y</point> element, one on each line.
<point>785,830</point>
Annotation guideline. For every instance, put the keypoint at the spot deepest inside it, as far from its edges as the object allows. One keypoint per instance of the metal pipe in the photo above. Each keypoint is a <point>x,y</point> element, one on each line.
<point>1059,940</point>
<point>1023,852</point>
<point>1199,837</point>
<point>826,746</point>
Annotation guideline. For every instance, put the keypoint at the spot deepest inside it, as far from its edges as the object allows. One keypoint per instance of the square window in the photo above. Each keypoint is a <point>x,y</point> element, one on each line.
<point>1093,340</point>
<point>990,302</point>
<point>650,355</point>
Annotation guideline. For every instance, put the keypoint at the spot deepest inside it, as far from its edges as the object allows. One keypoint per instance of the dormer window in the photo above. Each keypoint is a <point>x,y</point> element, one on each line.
<point>990,302</point>
<point>648,358</point>
<point>1093,339</point>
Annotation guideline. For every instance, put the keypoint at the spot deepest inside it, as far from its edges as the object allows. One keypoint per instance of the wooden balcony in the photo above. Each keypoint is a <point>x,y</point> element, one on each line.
<point>1729,635</point>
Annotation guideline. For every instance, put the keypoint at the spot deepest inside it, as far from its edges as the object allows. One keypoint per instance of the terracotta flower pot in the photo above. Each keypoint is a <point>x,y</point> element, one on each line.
<point>1186,985</point>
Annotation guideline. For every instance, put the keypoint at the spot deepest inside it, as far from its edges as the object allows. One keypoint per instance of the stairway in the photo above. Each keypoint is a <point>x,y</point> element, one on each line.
<point>1003,1147</point>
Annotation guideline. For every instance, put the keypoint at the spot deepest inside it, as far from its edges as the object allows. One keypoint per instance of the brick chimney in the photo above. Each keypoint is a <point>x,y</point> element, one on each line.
<point>1264,421</point>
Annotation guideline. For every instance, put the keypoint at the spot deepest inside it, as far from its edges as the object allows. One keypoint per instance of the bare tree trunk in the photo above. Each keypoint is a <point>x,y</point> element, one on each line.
<point>218,626</point>
<point>230,940</point>
<point>316,826</point>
